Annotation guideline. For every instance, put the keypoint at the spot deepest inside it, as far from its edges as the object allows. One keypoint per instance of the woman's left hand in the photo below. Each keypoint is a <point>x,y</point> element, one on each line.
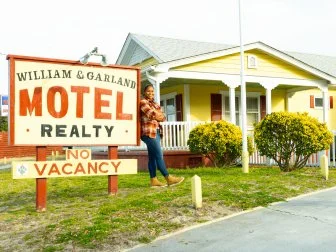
<point>160,117</point>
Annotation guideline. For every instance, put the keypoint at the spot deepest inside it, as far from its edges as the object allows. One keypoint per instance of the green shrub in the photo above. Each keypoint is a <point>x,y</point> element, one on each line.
<point>290,138</point>
<point>3,123</point>
<point>219,141</point>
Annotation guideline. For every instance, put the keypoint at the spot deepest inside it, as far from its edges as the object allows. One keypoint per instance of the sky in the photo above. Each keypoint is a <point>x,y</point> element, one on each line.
<point>68,29</point>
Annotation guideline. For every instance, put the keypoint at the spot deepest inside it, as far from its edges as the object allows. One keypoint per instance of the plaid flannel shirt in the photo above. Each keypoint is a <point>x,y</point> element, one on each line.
<point>149,111</point>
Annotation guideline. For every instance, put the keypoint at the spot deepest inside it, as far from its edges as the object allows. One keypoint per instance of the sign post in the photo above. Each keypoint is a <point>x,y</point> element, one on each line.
<point>64,103</point>
<point>112,179</point>
<point>41,183</point>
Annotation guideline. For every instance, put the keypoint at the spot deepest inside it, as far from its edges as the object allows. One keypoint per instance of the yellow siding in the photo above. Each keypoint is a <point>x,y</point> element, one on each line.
<point>278,100</point>
<point>166,90</point>
<point>147,62</point>
<point>300,102</point>
<point>268,66</point>
<point>200,103</point>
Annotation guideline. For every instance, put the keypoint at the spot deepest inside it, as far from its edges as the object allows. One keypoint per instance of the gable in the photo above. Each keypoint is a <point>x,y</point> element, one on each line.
<point>134,54</point>
<point>146,63</point>
<point>267,65</point>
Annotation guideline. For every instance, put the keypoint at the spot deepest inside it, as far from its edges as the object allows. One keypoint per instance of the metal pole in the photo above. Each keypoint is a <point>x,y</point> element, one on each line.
<point>243,97</point>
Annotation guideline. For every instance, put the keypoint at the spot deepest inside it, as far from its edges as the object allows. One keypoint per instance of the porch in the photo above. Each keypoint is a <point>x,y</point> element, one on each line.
<point>177,154</point>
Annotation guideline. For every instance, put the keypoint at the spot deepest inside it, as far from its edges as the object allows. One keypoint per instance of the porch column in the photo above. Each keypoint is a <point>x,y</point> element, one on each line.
<point>268,85</point>
<point>232,105</point>
<point>157,92</point>
<point>186,102</point>
<point>232,99</point>
<point>325,96</point>
<point>268,101</point>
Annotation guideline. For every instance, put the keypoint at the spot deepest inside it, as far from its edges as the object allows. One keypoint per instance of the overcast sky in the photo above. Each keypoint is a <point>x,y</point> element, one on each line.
<point>67,29</point>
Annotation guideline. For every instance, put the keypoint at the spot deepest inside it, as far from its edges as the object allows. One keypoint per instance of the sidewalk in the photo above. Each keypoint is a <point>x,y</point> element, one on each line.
<point>305,223</point>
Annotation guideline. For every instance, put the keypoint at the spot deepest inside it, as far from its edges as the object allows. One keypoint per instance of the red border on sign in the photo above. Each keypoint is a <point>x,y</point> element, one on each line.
<point>13,58</point>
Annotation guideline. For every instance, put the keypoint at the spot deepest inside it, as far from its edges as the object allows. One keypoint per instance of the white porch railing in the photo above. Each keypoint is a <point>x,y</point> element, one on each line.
<point>176,136</point>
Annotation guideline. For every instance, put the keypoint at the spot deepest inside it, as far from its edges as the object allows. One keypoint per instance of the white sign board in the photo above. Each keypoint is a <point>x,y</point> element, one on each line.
<point>78,163</point>
<point>4,105</point>
<point>58,102</point>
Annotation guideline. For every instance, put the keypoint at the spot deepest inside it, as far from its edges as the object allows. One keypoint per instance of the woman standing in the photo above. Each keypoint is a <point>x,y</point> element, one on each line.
<point>151,116</point>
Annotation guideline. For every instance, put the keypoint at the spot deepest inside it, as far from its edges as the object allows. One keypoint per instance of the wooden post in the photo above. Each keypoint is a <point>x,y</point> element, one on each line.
<point>41,183</point>
<point>112,179</point>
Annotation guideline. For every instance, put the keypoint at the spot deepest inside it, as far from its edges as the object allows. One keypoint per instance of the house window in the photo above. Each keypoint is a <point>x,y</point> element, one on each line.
<point>168,106</point>
<point>318,102</point>
<point>252,109</point>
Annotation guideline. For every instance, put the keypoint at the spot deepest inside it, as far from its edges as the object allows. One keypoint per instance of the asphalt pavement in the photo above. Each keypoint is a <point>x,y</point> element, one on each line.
<point>305,223</point>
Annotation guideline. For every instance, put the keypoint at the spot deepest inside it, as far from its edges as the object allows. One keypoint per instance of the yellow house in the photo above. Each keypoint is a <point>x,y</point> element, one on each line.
<point>199,81</point>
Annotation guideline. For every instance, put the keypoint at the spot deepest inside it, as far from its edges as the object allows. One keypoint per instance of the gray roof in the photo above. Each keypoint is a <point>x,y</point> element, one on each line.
<point>326,64</point>
<point>169,49</point>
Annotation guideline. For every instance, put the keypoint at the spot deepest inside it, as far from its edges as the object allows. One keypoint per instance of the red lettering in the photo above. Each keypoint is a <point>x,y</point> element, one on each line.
<point>120,114</point>
<point>51,101</point>
<point>39,172</point>
<point>90,167</point>
<point>100,167</point>
<point>79,168</point>
<point>73,153</point>
<point>116,166</point>
<point>58,102</point>
<point>80,99</point>
<point>54,169</point>
<point>99,103</point>
<point>84,154</point>
<point>64,167</point>
<point>31,105</point>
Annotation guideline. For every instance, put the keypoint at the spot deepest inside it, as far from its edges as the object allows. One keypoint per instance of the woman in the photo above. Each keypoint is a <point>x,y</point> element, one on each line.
<point>151,116</point>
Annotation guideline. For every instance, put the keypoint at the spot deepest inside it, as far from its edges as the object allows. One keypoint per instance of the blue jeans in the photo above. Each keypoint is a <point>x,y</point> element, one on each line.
<point>155,155</point>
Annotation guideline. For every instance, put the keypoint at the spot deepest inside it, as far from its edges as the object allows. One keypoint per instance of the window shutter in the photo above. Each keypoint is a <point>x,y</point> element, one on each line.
<point>262,106</point>
<point>216,107</point>
<point>312,101</point>
<point>331,102</point>
<point>179,108</point>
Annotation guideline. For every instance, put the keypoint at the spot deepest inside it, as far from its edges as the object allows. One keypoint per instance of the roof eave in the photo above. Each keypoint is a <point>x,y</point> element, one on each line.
<point>165,66</point>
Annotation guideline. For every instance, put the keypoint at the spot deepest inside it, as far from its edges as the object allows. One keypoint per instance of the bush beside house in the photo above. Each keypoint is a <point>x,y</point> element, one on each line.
<point>290,138</point>
<point>219,141</point>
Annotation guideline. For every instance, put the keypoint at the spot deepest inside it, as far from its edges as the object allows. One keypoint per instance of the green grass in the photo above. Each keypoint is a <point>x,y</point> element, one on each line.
<point>80,214</point>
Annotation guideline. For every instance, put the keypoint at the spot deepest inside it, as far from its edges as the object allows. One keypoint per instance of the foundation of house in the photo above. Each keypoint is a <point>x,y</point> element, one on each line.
<point>173,159</point>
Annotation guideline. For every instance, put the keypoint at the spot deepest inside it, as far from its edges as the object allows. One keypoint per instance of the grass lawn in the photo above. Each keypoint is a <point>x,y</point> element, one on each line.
<point>80,215</point>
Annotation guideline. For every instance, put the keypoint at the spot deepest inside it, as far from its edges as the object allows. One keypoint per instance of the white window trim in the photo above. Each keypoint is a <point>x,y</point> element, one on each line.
<point>168,96</point>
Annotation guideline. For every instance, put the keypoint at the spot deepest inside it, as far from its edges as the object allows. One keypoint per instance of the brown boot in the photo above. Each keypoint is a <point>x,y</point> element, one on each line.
<point>156,183</point>
<point>171,180</point>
